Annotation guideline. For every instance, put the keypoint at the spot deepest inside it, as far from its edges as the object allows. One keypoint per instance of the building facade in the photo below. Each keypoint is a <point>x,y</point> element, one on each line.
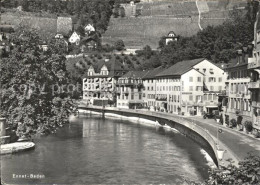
<point>130,90</point>
<point>239,103</point>
<point>254,69</point>
<point>171,37</point>
<point>149,90</point>
<point>190,87</point>
<point>99,84</point>
<point>75,38</point>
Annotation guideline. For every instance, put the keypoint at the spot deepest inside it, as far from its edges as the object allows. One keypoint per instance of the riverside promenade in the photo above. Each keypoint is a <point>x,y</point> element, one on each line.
<point>235,143</point>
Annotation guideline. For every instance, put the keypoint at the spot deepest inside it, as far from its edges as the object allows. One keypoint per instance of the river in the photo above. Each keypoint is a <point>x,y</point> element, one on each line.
<point>92,150</point>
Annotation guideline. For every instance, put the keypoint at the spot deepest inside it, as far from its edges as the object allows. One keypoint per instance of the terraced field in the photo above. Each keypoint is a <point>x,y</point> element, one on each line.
<point>42,24</point>
<point>156,19</point>
<point>137,32</point>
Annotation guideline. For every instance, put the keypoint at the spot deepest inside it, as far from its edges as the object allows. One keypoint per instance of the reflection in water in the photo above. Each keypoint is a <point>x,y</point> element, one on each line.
<point>112,151</point>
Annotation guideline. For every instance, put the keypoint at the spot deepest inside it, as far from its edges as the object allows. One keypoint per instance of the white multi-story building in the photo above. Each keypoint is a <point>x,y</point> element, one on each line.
<point>100,82</point>
<point>190,87</point>
<point>149,90</point>
<point>130,90</point>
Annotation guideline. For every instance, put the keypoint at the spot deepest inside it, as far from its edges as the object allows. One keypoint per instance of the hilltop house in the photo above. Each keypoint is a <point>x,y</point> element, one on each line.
<point>74,38</point>
<point>99,84</point>
<point>43,45</point>
<point>87,44</point>
<point>89,29</point>
<point>171,37</point>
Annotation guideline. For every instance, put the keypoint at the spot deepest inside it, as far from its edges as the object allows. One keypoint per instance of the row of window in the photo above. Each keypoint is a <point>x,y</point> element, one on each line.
<point>125,97</point>
<point>236,88</point>
<point>204,70</point>
<point>168,88</point>
<point>167,80</point>
<point>151,96</point>
<point>125,89</point>
<point>125,81</point>
<point>210,97</point>
<point>197,98</point>
<point>240,104</point>
<point>213,88</point>
<point>239,74</point>
<point>151,103</point>
<point>210,79</point>
<point>150,88</point>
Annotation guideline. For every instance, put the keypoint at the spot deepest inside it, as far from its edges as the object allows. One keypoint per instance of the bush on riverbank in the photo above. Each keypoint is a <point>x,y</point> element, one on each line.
<point>248,172</point>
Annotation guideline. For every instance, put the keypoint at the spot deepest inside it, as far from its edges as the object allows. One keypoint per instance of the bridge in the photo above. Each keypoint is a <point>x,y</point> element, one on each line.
<point>184,125</point>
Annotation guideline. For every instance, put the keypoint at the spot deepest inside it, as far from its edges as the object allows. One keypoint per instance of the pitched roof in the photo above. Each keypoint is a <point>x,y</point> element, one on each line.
<point>134,74</point>
<point>153,72</point>
<point>113,66</point>
<point>180,68</point>
<point>171,34</point>
<point>233,63</point>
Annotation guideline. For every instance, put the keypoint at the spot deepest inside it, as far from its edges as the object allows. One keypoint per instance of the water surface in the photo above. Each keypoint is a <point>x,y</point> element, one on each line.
<point>92,150</point>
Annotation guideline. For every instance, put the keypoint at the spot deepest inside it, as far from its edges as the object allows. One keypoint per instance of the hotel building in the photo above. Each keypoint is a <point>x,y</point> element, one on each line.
<point>130,90</point>
<point>99,85</point>
<point>190,87</point>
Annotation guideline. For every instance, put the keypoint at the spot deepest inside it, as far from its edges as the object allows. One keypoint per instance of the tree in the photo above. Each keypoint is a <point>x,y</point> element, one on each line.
<point>116,10</point>
<point>216,43</point>
<point>80,29</point>
<point>248,172</point>
<point>34,85</point>
<point>119,45</point>
<point>70,7</point>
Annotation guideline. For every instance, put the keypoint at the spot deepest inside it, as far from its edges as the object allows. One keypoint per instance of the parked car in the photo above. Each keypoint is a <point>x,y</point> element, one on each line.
<point>212,115</point>
<point>208,115</point>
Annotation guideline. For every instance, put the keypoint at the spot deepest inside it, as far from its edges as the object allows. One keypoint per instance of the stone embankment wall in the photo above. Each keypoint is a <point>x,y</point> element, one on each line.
<point>183,125</point>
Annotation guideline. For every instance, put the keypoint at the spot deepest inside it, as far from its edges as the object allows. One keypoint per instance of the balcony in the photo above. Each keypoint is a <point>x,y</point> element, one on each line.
<point>254,85</point>
<point>253,63</point>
